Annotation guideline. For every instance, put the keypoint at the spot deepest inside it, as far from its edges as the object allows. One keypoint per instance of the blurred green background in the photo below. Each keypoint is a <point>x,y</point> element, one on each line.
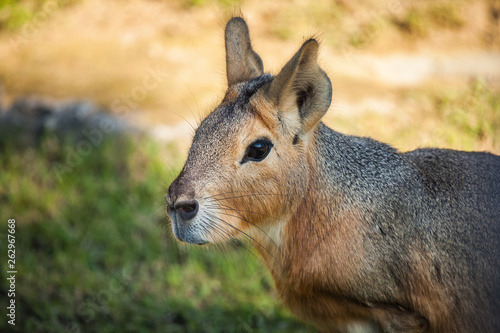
<point>94,250</point>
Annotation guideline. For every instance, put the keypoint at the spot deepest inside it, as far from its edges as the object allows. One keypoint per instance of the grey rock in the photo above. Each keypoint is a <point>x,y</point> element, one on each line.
<point>28,119</point>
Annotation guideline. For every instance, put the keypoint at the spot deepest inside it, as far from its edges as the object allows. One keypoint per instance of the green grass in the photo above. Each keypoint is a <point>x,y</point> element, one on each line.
<point>94,251</point>
<point>465,117</point>
<point>422,20</point>
<point>471,117</point>
<point>14,14</point>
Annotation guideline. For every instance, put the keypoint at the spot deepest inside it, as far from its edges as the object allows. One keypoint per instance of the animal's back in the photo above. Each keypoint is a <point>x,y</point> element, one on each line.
<point>462,220</point>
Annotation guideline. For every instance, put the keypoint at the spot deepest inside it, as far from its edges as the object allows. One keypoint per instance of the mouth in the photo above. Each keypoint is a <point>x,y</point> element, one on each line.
<point>186,231</point>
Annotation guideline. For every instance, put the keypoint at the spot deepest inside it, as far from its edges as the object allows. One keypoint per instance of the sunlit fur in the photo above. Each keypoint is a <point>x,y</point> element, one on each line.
<point>357,236</point>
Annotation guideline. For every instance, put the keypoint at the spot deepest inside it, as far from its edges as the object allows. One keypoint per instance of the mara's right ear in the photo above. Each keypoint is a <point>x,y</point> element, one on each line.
<point>302,91</point>
<point>242,62</point>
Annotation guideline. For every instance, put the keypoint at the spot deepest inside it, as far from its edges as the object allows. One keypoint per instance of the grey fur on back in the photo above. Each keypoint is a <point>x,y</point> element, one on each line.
<point>445,203</point>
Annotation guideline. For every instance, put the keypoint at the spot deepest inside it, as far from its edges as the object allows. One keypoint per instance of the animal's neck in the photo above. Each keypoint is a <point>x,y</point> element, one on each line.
<point>352,182</point>
<point>363,172</point>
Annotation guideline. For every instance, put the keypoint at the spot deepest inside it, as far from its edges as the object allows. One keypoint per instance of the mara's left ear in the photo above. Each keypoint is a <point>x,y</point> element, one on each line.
<point>242,62</point>
<point>302,88</point>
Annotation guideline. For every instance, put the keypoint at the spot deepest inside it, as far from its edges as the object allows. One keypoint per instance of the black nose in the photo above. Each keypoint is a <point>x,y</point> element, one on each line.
<point>187,209</point>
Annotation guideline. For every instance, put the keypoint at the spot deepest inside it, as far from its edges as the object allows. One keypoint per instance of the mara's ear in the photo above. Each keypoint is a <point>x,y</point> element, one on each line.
<point>242,62</point>
<point>302,89</point>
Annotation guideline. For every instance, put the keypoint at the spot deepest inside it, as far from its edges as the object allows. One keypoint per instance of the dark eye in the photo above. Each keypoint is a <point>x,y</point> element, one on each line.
<point>257,151</point>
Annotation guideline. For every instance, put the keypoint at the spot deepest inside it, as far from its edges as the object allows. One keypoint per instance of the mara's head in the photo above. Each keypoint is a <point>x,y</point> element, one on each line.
<point>249,163</point>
